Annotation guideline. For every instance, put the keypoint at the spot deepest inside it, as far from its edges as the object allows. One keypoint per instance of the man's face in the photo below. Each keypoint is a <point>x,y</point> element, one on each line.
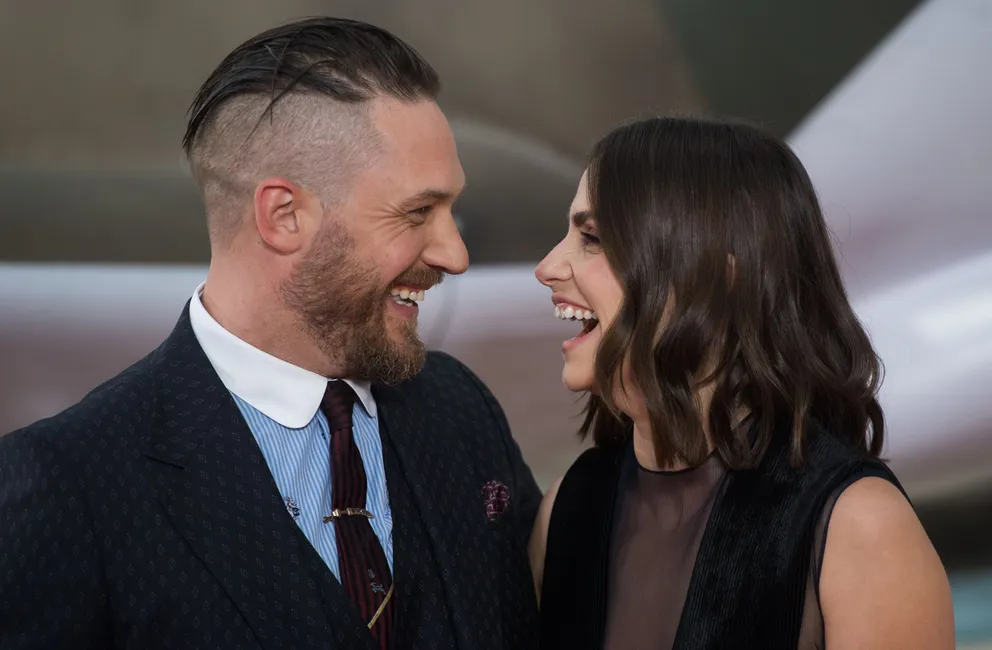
<point>393,238</point>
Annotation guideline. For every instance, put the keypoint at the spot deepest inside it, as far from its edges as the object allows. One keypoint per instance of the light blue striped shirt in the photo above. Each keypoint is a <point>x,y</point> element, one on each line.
<point>281,405</point>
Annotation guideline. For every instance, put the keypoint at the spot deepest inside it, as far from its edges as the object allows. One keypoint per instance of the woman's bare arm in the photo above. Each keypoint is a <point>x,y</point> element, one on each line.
<point>882,585</point>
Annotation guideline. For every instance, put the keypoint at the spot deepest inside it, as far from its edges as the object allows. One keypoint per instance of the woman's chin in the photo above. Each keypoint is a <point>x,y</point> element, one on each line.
<point>576,380</point>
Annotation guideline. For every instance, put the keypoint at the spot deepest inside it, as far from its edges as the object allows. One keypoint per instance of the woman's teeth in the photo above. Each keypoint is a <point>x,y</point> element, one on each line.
<point>574,313</point>
<point>404,296</point>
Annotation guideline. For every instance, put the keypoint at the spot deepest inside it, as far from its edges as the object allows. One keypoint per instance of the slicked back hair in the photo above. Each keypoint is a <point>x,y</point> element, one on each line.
<point>292,102</point>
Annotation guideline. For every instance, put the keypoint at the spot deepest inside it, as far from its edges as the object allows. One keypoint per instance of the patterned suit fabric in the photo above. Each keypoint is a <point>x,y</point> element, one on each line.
<point>145,516</point>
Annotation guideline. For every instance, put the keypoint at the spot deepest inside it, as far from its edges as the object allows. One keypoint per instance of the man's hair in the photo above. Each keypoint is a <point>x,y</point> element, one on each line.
<point>774,333</point>
<point>292,102</point>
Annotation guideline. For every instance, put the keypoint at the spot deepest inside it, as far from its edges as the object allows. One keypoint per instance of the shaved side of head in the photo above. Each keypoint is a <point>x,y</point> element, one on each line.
<point>306,138</point>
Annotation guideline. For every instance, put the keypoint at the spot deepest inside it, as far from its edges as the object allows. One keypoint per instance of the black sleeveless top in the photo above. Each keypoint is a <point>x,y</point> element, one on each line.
<point>701,558</point>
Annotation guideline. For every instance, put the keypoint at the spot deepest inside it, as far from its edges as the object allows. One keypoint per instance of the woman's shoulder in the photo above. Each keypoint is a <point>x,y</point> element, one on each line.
<point>882,584</point>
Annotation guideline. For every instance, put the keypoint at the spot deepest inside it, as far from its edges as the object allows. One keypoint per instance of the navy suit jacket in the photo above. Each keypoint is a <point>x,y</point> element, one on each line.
<point>145,517</point>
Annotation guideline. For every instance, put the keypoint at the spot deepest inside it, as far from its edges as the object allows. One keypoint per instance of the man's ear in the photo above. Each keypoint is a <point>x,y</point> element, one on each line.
<point>284,213</point>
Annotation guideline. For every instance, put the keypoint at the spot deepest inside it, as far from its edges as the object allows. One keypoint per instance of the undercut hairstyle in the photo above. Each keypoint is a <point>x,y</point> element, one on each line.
<point>730,284</point>
<point>293,102</point>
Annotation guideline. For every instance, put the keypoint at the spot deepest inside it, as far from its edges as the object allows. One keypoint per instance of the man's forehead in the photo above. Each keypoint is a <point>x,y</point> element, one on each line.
<point>431,178</point>
<point>411,124</point>
<point>416,133</point>
<point>403,186</point>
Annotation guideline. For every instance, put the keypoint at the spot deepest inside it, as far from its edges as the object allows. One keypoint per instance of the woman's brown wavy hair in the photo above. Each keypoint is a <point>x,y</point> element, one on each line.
<point>723,218</point>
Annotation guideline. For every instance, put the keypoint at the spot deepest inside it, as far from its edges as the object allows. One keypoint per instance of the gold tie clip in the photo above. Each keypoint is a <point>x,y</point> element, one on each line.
<point>348,512</point>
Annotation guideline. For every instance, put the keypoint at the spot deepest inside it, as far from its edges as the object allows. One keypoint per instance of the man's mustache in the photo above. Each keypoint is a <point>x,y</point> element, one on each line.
<point>421,278</point>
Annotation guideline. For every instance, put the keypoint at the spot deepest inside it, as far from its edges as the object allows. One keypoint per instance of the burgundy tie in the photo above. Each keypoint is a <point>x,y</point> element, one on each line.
<point>361,560</point>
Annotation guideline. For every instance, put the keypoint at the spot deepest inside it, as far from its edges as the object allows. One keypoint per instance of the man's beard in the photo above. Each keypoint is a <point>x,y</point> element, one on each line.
<point>344,311</point>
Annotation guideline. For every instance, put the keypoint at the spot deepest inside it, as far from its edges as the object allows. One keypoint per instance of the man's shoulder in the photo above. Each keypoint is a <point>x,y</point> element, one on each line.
<point>446,384</point>
<point>444,372</point>
<point>442,363</point>
<point>110,408</point>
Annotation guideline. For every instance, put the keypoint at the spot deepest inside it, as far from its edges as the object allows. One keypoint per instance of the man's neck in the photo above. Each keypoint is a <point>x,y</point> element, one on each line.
<point>255,314</point>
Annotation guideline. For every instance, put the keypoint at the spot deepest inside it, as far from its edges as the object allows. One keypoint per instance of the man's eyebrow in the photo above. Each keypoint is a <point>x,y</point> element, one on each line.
<point>426,196</point>
<point>580,218</point>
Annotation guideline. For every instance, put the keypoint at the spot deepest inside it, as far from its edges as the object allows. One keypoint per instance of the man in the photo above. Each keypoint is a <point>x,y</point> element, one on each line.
<point>223,492</point>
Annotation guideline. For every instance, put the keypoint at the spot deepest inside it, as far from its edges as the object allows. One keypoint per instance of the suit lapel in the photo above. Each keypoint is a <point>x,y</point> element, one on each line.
<point>450,505</point>
<point>217,488</point>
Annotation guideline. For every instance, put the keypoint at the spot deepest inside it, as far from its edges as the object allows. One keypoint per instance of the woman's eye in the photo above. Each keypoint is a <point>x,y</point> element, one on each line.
<point>589,238</point>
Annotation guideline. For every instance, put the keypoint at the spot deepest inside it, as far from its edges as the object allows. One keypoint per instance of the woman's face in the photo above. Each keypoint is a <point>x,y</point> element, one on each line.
<point>584,289</point>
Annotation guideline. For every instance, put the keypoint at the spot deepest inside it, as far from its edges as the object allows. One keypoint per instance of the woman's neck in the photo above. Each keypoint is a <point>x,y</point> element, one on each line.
<point>645,450</point>
<point>644,441</point>
<point>645,446</point>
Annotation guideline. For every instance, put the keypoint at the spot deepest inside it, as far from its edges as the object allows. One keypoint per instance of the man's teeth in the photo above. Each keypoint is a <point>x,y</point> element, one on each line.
<point>405,296</point>
<point>574,313</point>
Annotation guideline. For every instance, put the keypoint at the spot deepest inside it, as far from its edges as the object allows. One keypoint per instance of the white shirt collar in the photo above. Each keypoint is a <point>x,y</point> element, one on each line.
<point>288,394</point>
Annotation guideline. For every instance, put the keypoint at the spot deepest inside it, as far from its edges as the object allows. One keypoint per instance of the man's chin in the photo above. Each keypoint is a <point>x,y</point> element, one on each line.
<point>403,360</point>
<point>402,368</point>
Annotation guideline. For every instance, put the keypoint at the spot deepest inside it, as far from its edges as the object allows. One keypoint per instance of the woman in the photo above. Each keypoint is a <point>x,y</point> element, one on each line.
<point>734,497</point>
